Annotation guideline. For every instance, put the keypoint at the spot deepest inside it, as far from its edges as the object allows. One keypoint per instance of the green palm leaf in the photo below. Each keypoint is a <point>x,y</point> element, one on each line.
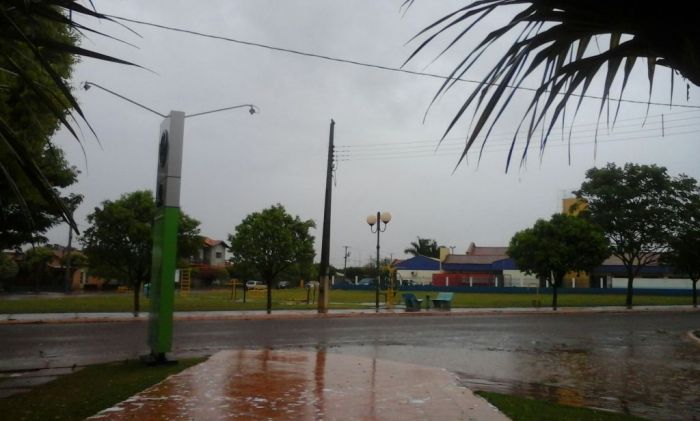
<point>20,40</point>
<point>553,37</point>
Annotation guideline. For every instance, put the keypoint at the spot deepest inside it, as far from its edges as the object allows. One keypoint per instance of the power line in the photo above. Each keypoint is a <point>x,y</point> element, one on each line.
<point>401,154</point>
<point>374,66</point>
<point>501,138</point>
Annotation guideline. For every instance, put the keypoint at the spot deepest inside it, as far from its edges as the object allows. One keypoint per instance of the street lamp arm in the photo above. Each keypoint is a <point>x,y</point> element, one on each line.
<point>252,109</point>
<point>87,85</point>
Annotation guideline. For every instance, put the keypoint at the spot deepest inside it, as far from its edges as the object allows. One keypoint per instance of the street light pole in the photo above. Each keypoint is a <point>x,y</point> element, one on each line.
<point>165,223</point>
<point>384,217</point>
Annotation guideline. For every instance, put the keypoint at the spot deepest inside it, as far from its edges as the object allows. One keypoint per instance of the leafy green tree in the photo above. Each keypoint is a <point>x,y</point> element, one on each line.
<point>359,272</point>
<point>562,244</point>
<point>272,241</point>
<point>38,45</point>
<point>424,247</point>
<point>639,208</point>
<point>119,240</point>
<point>36,264</point>
<point>8,268</point>
<point>684,253</point>
<point>557,43</point>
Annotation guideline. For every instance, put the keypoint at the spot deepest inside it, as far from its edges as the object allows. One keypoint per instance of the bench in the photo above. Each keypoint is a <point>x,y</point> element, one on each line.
<point>412,303</point>
<point>443,301</point>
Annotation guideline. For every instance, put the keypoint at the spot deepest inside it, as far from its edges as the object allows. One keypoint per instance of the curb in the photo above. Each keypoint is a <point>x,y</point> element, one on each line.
<point>7,319</point>
<point>693,337</point>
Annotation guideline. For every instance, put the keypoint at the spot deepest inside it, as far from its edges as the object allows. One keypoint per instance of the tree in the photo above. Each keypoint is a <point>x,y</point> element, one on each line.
<point>119,240</point>
<point>37,48</point>
<point>423,247</point>
<point>559,40</point>
<point>639,208</point>
<point>684,253</point>
<point>272,241</point>
<point>8,268</point>
<point>562,244</point>
<point>36,263</point>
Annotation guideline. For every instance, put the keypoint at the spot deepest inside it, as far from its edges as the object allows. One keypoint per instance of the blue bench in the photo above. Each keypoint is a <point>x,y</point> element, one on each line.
<point>443,301</point>
<point>412,303</point>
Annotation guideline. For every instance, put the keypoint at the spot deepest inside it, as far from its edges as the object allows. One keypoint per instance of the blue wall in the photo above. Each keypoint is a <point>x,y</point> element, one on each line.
<point>523,290</point>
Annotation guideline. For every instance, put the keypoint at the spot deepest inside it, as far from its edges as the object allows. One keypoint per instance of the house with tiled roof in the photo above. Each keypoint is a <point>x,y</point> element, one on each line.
<point>212,253</point>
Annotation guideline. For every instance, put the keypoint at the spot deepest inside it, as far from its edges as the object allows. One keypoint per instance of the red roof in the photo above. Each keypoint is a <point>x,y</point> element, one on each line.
<point>210,242</point>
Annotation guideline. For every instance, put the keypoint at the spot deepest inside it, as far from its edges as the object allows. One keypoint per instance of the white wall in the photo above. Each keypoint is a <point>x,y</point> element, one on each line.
<point>220,260</point>
<point>516,278</point>
<point>667,283</point>
<point>422,277</point>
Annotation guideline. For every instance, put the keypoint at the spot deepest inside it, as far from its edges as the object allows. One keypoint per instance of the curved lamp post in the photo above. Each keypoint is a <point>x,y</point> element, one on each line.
<point>379,218</point>
<point>165,224</point>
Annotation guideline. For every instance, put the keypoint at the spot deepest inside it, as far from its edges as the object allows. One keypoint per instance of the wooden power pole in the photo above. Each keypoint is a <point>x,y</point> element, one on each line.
<point>323,272</point>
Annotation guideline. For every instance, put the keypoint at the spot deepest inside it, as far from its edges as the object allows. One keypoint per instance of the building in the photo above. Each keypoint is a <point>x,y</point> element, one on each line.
<point>482,266</point>
<point>212,253</point>
<point>418,270</point>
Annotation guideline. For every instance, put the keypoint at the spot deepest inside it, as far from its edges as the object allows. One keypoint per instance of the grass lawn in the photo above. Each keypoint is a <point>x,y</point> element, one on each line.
<point>524,409</point>
<point>87,391</point>
<point>295,298</point>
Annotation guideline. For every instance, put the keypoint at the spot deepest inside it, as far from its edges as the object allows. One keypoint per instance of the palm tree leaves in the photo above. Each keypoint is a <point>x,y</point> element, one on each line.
<point>423,247</point>
<point>29,38</point>
<point>554,37</point>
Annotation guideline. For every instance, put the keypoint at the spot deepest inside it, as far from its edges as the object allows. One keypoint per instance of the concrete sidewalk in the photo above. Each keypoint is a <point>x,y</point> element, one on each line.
<point>398,311</point>
<point>294,385</point>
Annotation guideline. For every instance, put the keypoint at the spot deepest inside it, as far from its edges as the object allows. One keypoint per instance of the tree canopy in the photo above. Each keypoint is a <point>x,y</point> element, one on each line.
<point>554,247</point>
<point>272,241</point>
<point>556,44</point>
<point>119,240</point>
<point>639,208</point>
<point>684,252</point>
<point>423,247</point>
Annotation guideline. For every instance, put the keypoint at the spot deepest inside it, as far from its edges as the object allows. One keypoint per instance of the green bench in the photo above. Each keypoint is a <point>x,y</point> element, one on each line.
<point>443,301</point>
<point>412,303</point>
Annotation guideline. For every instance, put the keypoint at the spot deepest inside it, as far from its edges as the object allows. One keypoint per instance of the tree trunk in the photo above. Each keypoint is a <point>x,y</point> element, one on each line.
<point>695,293</point>
<point>628,300</point>
<point>137,290</point>
<point>269,297</point>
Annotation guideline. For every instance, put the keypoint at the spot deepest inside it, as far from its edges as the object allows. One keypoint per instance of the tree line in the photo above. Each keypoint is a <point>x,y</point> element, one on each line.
<point>637,213</point>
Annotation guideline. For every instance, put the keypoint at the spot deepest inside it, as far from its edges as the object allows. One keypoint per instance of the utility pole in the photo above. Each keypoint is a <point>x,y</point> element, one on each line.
<point>345,264</point>
<point>67,255</point>
<point>326,241</point>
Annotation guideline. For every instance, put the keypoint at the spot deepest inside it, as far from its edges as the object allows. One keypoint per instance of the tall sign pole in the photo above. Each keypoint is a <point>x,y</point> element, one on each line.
<point>323,271</point>
<point>165,225</point>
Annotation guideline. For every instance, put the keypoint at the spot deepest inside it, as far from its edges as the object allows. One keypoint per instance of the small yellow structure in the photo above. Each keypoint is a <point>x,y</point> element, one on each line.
<point>185,281</point>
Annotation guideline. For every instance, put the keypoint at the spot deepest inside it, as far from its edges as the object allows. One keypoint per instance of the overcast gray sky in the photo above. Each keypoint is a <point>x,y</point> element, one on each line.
<point>235,164</point>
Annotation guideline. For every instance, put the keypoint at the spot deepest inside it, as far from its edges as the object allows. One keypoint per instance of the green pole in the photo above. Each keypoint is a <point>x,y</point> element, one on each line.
<point>163,281</point>
<point>165,225</point>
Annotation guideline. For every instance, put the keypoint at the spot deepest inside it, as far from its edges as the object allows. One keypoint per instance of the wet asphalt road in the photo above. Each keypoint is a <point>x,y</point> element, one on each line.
<point>640,363</point>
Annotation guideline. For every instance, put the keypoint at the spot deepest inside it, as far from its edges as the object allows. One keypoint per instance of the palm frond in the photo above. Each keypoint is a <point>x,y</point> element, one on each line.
<point>554,38</point>
<point>19,35</point>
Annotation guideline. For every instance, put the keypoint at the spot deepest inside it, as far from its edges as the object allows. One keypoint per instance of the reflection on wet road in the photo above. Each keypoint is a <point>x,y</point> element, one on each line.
<point>294,385</point>
<point>644,371</point>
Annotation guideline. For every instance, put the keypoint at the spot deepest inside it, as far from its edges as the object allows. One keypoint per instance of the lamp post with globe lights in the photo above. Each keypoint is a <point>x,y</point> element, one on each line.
<point>379,218</point>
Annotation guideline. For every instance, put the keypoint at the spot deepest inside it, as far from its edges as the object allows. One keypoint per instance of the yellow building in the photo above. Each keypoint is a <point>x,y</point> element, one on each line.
<point>574,206</point>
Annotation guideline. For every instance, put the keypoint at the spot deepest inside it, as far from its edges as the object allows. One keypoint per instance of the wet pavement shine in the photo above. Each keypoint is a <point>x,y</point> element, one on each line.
<point>299,385</point>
